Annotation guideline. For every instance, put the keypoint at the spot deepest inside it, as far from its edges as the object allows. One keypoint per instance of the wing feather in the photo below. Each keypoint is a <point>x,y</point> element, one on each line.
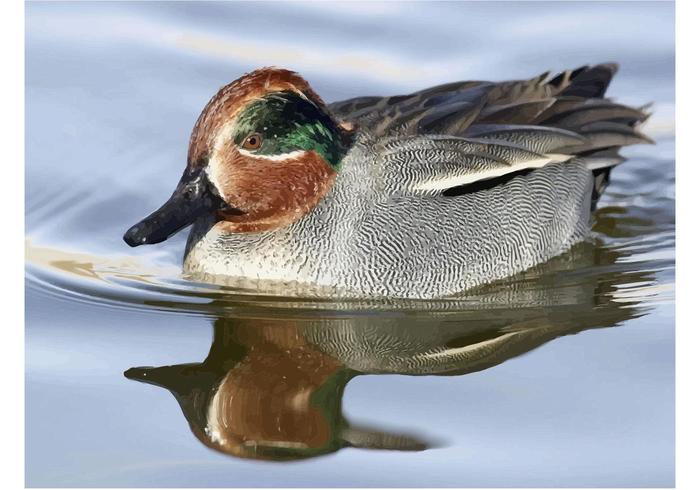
<point>435,163</point>
<point>463,132</point>
<point>540,139</point>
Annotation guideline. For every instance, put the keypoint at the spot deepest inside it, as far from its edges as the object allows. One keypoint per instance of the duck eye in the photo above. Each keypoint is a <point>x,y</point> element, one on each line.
<point>252,141</point>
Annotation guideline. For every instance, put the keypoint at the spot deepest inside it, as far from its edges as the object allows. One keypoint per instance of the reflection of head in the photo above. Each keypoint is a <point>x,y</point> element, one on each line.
<point>264,392</point>
<point>275,400</point>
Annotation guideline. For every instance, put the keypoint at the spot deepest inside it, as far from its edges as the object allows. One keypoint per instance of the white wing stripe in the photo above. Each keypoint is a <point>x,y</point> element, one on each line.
<point>470,176</point>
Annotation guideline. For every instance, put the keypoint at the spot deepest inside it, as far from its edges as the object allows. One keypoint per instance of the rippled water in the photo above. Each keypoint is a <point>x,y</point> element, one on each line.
<point>112,93</point>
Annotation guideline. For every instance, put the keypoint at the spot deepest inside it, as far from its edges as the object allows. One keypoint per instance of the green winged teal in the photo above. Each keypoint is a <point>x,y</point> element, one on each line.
<point>421,195</point>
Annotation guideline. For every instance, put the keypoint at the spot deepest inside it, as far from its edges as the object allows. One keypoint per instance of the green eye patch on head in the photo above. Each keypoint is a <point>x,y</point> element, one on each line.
<point>289,122</point>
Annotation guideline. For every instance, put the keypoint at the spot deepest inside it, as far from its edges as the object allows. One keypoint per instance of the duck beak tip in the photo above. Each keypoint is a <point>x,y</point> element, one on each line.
<point>193,197</point>
<point>132,238</point>
<point>137,235</point>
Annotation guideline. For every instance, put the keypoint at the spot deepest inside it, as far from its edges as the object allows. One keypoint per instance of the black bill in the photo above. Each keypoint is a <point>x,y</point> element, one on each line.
<point>194,196</point>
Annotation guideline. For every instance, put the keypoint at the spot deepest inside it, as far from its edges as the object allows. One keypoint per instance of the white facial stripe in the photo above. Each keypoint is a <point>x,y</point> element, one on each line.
<point>272,158</point>
<point>213,170</point>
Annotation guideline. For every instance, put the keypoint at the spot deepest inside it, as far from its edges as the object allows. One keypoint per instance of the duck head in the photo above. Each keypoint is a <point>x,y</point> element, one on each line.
<point>263,153</point>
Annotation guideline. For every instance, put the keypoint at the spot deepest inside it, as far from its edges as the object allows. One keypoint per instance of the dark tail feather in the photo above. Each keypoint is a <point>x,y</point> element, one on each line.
<point>590,82</point>
<point>580,107</point>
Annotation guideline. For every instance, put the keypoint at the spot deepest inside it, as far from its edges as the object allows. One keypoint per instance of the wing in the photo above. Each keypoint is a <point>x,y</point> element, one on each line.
<point>464,132</point>
<point>433,163</point>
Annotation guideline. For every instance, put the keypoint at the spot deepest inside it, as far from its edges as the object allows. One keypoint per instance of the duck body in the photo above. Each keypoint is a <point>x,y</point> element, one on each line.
<point>433,193</point>
<point>367,239</point>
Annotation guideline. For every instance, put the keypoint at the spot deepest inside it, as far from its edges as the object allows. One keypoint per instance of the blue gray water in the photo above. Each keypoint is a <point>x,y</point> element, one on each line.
<point>582,395</point>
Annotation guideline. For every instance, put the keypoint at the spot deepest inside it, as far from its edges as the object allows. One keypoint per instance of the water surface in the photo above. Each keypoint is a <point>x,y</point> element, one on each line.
<point>561,376</point>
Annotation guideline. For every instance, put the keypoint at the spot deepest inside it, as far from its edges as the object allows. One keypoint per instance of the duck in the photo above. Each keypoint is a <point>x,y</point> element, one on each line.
<point>423,196</point>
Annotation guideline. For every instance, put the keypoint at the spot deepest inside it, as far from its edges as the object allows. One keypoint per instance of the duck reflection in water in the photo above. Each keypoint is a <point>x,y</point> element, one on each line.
<point>264,391</point>
<point>272,388</point>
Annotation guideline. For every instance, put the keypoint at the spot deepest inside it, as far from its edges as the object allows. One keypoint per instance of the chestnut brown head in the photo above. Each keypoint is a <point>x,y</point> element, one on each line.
<point>263,153</point>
